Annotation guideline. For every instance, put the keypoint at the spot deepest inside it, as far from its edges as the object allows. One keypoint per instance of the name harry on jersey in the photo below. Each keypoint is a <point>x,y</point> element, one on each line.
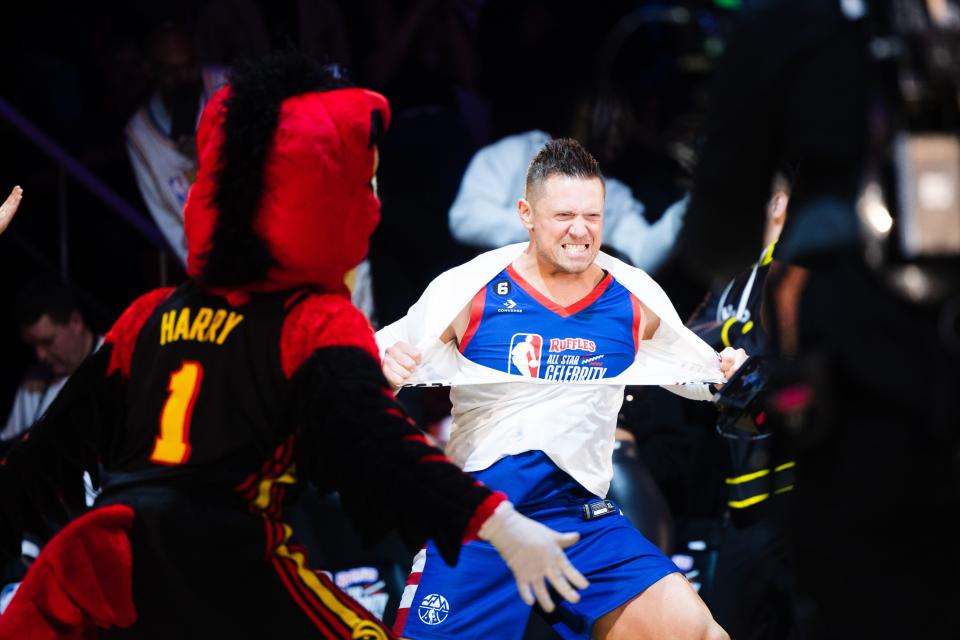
<point>208,325</point>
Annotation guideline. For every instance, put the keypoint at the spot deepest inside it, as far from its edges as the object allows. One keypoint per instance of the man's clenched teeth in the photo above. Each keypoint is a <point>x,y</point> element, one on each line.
<point>575,248</point>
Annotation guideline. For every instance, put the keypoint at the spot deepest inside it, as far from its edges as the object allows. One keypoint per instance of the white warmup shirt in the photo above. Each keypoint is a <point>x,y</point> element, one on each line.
<point>497,414</point>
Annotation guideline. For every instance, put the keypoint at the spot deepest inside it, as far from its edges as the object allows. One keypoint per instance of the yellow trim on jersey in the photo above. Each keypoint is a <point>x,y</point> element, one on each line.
<point>749,502</point>
<point>747,327</point>
<point>262,501</point>
<point>768,254</point>
<point>361,628</point>
<point>725,332</point>
<point>748,477</point>
<point>785,465</point>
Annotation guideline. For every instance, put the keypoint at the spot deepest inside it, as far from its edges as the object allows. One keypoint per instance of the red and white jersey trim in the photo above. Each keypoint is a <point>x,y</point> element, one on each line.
<point>410,590</point>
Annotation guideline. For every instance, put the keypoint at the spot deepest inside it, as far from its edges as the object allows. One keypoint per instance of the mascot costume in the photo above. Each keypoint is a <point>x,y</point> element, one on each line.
<point>207,402</point>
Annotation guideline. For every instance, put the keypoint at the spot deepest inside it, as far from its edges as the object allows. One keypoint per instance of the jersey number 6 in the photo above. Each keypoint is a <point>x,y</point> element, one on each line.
<point>173,444</point>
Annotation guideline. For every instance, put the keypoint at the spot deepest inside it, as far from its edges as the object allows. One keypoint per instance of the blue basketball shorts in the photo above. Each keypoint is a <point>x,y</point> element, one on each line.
<point>478,598</point>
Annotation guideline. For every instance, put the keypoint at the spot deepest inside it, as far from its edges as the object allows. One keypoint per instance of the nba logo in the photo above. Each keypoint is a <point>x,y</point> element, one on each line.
<point>524,357</point>
<point>434,609</point>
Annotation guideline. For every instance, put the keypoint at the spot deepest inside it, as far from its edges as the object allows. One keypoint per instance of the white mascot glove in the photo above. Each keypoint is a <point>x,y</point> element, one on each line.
<point>534,552</point>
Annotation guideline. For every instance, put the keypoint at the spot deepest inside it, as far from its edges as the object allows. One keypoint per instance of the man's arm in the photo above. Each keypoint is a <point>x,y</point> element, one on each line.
<point>401,359</point>
<point>649,322</point>
<point>730,359</point>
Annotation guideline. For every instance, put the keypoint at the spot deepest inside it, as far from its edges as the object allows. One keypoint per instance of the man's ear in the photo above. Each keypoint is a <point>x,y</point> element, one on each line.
<point>778,207</point>
<point>525,211</point>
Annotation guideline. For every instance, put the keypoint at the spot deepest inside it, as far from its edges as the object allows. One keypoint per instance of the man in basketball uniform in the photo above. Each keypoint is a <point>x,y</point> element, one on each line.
<point>207,403</point>
<point>554,311</point>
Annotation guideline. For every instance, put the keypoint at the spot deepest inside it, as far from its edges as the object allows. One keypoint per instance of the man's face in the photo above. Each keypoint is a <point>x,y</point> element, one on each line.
<point>565,219</point>
<point>62,347</point>
<point>174,64</point>
<point>178,78</point>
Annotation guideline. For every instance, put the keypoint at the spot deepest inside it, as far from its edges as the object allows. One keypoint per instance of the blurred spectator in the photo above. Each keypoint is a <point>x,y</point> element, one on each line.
<point>50,321</point>
<point>571,104</point>
<point>732,314</point>
<point>532,52</point>
<point>228,30</point>
<point>484,213</point>
<point>424,154</point>
<point>878,466</point>
<point>160,135</point>
<point>751,593</point>
<point>652,69</point>
<point>421,56</point>
<point>421,52</point>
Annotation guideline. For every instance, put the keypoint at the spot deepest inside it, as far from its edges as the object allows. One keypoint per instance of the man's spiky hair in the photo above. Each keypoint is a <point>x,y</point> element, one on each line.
<point>237,255</point>
<point>563,157</point>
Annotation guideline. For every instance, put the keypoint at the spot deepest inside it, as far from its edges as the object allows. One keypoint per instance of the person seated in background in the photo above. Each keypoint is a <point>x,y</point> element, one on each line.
<point>50,322</point>
<point>484,212</point>
<point>160,135</point>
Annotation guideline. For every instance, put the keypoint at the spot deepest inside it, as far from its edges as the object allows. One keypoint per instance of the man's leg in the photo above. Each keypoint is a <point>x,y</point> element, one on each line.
<point>669,608</point>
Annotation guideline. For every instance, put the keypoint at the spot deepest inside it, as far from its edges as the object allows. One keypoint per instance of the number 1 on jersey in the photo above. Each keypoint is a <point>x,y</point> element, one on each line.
<point>173,444</point>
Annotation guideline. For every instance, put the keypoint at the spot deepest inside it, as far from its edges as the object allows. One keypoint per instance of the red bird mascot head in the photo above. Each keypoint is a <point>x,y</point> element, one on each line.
<point>284,194</point>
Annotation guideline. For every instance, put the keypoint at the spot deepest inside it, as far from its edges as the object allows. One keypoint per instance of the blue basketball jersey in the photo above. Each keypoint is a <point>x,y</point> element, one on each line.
<point>515,329</point>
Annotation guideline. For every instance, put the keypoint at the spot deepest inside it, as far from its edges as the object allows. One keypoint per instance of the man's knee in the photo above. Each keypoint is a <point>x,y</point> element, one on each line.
<point>714,631</point>
<point>701,626</point>
<point>670,608</point>
<point>688,614</point>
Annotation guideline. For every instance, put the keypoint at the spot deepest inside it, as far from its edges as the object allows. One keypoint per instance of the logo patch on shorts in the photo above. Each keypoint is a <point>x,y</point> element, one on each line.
<point>434,609</point>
